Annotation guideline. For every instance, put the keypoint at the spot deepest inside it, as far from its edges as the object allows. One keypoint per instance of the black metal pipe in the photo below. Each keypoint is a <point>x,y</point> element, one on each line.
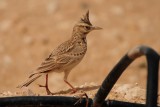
<point>43,101</point>
<point>152,79</point>
<point>56,101</point>
<point>110,80</point>
<point>61,101</point>
<point>114,103</point>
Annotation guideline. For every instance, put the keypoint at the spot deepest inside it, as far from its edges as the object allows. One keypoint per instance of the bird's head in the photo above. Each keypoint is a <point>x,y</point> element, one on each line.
<point>84,26</point>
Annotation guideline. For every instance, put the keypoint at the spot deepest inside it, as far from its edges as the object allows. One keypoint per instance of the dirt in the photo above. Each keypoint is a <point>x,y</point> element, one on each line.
<point>31,29</point>
<point>121,92</point>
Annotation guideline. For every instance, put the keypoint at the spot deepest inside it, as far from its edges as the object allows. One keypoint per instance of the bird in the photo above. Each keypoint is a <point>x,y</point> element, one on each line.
<point>66,56</point>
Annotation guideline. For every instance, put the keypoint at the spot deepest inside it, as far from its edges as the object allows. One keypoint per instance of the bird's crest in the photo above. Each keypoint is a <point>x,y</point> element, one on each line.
<point>85,19</point>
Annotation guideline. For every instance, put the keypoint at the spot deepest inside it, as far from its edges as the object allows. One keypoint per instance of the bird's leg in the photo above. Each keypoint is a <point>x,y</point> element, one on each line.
<point>46,86</point>
<point>65,80</point>
<point>83,94</point>
<point>74,90</point>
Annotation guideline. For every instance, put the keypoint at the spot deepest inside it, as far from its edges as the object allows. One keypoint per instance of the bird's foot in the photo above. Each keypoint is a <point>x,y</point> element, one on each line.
<point>47,89</point>
<point>73,90</point>
<point>80,96</point>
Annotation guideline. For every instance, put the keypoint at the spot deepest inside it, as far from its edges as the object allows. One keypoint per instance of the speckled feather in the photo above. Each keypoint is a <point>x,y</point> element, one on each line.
<point>64,54</point>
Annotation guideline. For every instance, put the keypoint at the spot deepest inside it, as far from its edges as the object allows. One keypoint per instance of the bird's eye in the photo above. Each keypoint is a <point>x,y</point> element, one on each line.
<point>87,27</point>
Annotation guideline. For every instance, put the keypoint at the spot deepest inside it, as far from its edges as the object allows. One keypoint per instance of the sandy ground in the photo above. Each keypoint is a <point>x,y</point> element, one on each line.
<point>120,92</point>
<point>31,29</point>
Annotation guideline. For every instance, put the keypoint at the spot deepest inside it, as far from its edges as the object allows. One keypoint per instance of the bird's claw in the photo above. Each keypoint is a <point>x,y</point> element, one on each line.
<point>73,91</point>
<point>41,85</point>
<point>83,94</point>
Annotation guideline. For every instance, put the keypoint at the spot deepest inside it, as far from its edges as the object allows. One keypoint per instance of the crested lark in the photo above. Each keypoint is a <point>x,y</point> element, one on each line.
<point>66,56</point>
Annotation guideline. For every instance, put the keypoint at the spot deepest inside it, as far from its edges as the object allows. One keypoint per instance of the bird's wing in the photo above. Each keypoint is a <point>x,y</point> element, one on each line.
<point>64,48</point>
<point>51,64</point>
<point>47,65</point>
<point>55,60</point>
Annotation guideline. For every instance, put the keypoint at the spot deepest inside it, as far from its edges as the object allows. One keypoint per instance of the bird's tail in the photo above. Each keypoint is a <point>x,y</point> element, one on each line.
<point>29,80</point>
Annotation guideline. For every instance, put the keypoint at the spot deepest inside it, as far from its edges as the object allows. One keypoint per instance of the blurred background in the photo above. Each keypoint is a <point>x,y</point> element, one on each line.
<point>31,29</point>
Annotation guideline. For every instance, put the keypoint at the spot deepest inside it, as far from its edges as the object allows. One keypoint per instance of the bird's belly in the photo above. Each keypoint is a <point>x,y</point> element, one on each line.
<point>67,67</point>
<point>72,64</point>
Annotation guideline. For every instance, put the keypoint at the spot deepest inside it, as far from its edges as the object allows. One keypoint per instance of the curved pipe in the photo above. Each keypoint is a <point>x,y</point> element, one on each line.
<point>44,101</point>
<point>61,101</point>
<point>152,79</point>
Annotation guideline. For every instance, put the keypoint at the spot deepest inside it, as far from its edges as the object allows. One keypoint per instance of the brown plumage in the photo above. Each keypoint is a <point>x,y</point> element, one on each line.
<point>67,55</point>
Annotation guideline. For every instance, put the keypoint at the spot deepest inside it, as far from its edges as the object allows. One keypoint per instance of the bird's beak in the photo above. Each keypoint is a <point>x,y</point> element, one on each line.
<point>96,28</point>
